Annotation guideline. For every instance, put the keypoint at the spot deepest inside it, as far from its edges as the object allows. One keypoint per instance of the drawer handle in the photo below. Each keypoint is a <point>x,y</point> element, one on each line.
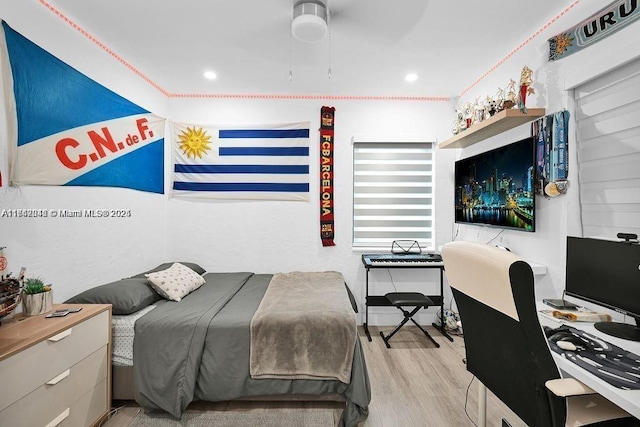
<point>59,378</point>
<point>57,420</point>
<point>61,335</point>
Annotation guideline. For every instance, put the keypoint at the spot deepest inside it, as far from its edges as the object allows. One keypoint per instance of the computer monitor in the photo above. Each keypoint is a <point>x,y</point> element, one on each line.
<point>606,273</point>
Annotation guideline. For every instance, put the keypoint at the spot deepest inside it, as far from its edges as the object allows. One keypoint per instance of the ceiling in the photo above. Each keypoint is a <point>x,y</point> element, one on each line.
<point>372,45</point>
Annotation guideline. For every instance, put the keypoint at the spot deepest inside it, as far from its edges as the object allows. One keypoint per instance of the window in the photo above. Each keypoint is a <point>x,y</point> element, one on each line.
<point>392,194</point>
<point>608,152</point>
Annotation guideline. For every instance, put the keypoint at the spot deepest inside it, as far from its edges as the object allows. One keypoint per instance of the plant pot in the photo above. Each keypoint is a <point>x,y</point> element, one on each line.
<point>35,304</point>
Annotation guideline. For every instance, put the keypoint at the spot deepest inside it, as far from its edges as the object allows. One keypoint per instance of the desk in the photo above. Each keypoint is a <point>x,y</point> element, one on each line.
<point>380,300</point>
<point>629,400</point>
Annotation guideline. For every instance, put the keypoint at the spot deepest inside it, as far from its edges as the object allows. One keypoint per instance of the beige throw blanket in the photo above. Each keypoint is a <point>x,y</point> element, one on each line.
<point>304,328</point>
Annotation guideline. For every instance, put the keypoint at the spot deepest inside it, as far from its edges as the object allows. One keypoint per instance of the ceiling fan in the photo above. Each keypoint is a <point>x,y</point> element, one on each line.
<point>311,18</point>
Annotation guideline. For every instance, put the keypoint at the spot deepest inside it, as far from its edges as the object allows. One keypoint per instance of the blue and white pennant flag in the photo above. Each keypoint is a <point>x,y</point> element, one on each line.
<point>259,162</point>
<point>70,130</point>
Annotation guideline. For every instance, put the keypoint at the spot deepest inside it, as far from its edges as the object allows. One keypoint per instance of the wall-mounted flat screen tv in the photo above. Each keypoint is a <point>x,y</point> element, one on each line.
<point>496,188</point>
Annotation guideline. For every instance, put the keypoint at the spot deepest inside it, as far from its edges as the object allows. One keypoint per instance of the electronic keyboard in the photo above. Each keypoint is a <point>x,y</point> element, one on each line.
<point>402,260</point>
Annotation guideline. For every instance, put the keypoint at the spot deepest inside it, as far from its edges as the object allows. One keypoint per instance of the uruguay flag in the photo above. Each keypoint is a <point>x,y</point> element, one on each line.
<point>70,130</point>
<point>260,162</point>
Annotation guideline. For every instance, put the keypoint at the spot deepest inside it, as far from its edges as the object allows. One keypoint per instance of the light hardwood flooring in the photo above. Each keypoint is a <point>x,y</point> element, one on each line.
<point>412,384</point>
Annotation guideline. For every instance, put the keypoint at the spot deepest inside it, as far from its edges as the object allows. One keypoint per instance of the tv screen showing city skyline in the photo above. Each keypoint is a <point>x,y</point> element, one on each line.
<point>496,188</point>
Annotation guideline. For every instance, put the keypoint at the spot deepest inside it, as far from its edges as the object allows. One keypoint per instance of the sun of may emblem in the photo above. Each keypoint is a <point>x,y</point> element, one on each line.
<point>194,142</point>
<point>563,42</point>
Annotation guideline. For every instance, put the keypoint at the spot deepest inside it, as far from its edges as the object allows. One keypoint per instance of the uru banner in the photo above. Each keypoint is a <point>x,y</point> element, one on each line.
<point>258,162</point>
<point>70,130</point>
<point>617,15</point>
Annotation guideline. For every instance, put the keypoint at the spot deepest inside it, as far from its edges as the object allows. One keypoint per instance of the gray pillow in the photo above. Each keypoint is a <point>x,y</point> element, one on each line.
<point>126,296</point>
<point>191,265</point>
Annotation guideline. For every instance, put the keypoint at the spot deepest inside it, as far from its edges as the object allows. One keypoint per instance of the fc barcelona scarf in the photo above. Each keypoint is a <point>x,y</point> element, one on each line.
<point>327,116</point>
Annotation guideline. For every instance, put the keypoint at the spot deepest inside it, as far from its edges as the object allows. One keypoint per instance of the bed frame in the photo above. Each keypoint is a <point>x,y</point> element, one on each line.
<point>123,388</point>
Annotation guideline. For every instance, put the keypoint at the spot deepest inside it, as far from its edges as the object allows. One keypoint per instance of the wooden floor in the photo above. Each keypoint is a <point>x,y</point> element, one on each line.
<point>412,384</point>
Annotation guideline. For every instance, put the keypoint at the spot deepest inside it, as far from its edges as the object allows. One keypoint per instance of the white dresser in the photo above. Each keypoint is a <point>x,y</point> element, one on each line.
<point>57,371</point>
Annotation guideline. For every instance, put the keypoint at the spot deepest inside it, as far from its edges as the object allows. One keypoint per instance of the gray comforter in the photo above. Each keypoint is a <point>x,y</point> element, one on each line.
<point>198,349</point>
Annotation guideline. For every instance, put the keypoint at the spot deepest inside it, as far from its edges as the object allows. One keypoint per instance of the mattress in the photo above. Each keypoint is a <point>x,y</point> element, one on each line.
<point>122,330</point>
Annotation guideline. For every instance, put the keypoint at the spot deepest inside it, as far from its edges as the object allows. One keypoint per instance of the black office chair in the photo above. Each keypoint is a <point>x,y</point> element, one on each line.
<point>506,348</point>
<point>408,299</point>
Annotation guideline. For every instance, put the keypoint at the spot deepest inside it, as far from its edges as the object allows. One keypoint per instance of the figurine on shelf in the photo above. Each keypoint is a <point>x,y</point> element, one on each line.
<point>499,99</point>
<point>526,81</point>
<point>490,107</point>
<point>468,115</point>
<point>478,111</point>
<point>459,123</point>
<point>512,97</point>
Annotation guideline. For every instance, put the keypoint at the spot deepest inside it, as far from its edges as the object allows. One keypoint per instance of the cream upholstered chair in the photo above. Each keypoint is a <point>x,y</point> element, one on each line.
<point>506,348</point>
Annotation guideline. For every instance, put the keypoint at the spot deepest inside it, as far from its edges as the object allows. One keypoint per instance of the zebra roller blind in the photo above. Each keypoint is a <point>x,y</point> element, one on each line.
<point>392,194</point>
<point>608,152</point>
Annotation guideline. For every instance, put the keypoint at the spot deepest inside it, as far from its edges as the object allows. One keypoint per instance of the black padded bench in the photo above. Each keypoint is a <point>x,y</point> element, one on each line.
<point>408,299</point>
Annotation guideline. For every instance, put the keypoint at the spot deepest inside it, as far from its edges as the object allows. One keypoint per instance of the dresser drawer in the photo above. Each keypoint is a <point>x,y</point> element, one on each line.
<point>82,413</point>
<point>48,401</point>
<point>33,367</point>
<point>88,409</point>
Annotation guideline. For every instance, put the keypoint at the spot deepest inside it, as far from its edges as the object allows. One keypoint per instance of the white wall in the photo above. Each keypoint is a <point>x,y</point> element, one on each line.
<point>279,236</point>
<point>553,81</point>
<point>77,253</point>
<point>284,236</point>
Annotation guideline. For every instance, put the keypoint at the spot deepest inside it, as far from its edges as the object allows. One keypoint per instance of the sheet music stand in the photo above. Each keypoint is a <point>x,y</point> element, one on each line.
<point>405,247</point>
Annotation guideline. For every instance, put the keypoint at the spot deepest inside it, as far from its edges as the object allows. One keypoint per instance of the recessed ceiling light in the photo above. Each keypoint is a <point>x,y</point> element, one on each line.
<point>411,77</point>
<point>210,75</point>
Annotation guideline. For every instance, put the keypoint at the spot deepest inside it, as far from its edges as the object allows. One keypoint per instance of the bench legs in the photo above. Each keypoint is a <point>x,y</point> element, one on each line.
<point>407,316</point>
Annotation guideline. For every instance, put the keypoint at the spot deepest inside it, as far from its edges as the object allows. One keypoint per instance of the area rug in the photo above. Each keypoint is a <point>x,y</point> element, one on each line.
<point>191,418</point>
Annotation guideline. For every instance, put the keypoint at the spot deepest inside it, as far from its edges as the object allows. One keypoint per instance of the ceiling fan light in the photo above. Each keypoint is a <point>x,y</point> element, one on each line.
<point>309,21</point>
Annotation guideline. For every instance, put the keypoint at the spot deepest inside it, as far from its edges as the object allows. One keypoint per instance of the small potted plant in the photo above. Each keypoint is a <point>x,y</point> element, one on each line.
<point>37,297</point>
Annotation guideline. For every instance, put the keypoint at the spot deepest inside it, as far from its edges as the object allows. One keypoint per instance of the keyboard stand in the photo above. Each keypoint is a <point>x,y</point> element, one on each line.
<point>381,300</point>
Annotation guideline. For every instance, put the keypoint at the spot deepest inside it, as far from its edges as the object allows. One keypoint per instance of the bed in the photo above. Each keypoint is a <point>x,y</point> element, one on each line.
<point>238,335</point>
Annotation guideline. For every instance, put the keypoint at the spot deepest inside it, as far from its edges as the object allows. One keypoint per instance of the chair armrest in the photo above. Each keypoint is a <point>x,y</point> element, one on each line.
<point>564,387</point>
